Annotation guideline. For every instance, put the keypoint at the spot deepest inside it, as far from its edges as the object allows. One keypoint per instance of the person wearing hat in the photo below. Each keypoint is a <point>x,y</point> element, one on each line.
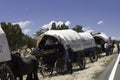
<point>60,48</point>
<point>69,58</point>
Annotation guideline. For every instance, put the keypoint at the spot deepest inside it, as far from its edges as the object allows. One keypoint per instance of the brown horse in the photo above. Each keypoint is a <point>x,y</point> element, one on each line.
<point>24,66</point>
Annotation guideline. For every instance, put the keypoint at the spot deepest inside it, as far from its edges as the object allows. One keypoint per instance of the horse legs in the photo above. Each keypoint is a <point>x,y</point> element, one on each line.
<point>29,76</point>
<point>35,75</point>
<point>21,77</point>
<point>15,78</point>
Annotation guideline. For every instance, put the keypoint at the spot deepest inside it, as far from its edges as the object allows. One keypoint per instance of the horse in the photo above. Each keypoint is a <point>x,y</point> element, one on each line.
<point>24,66</point>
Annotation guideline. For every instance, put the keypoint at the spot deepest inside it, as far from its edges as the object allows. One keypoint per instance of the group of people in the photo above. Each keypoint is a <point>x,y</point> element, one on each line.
<point>69,55</point>
<point>108,47</point>
<point>61,49</point>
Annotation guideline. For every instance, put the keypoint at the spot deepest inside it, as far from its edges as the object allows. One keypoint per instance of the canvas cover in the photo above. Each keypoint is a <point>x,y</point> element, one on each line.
<point>4,49</point>
<point>102,36</point>
<point>71,37</point>
<point>87,40</point>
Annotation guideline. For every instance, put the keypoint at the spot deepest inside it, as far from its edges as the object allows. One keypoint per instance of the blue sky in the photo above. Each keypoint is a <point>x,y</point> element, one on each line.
<point>94,15</point>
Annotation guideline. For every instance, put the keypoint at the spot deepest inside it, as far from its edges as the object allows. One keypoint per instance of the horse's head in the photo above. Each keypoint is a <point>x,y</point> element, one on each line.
<point>21,66</point>
<point>15,57</point>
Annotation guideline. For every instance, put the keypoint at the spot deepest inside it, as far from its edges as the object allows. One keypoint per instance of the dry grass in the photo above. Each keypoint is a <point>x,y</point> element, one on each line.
<point>91,71</point>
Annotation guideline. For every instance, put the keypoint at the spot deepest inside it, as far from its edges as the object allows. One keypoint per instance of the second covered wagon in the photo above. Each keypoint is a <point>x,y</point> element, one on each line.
<point>83,44</point>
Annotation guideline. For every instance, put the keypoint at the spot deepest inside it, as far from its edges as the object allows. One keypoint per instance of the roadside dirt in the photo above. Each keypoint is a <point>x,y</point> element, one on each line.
<point>89,73</point>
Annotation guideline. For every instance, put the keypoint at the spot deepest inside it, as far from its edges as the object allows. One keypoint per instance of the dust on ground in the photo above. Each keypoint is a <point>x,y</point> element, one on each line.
<point>91,71</point>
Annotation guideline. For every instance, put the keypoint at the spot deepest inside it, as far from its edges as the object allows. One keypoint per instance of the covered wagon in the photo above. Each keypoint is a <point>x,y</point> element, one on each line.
<point>5,71</point>
<point>100,39</point>
<point>83,44</point>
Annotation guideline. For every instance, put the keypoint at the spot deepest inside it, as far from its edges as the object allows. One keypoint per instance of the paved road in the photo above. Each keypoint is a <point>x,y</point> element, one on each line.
<point>112,71</point>
<point>117,72</point>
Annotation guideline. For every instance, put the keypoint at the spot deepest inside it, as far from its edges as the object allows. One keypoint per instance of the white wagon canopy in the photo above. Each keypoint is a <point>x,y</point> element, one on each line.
<point>4,48</point>
<point>77,41</point>
<point>83,45</point>
<point>100,38</point>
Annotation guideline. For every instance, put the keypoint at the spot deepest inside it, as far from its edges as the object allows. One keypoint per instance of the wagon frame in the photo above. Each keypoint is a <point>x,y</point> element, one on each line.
<point>5,71</point>
<point>59,64</point>
<point>79,43</point>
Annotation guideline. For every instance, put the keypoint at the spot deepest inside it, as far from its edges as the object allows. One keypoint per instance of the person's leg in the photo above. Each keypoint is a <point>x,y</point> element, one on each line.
<point>106,51</point>
<point>70,68</point>
<point>67,64</point>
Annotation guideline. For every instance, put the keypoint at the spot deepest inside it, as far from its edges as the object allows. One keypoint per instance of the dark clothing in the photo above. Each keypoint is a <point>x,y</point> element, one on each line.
<point>69,59</point>
<point>69,54</point>
<point>107,52</point>
<point>60,49</point>
<point>69,67</point>
<point>118,47</point>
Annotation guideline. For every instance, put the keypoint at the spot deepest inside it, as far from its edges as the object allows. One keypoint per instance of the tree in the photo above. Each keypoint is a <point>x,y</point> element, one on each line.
<point>30,42</point>
<point>53,27</point>
<point>38,33</point>
<point>64,26</point>
<point>78,28</point>
<point>15,36</point>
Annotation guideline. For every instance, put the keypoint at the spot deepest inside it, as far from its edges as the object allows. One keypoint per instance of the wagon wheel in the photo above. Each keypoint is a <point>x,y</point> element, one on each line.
<point>6,73</point>
<point>60,66</point>
<point>44,69</point>
<point>93,56</point>
<point>81,60</point>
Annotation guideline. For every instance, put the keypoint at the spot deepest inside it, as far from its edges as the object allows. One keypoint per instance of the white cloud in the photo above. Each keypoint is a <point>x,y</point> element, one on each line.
<point>23,23</point>
<point>88,29</point>
<point>67,23</point>
<point>46,26</point>
<point>59,23</point>
<point>115,38</point>
<point>85,28</point>
<point>99,22</point>
<point>25,31</point>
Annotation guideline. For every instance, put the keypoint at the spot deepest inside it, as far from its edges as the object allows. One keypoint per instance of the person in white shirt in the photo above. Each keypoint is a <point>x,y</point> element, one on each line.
<point>106,48</point>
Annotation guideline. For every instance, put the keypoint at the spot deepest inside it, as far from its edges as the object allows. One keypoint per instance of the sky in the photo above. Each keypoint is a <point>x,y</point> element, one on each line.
<point>94,15</point>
